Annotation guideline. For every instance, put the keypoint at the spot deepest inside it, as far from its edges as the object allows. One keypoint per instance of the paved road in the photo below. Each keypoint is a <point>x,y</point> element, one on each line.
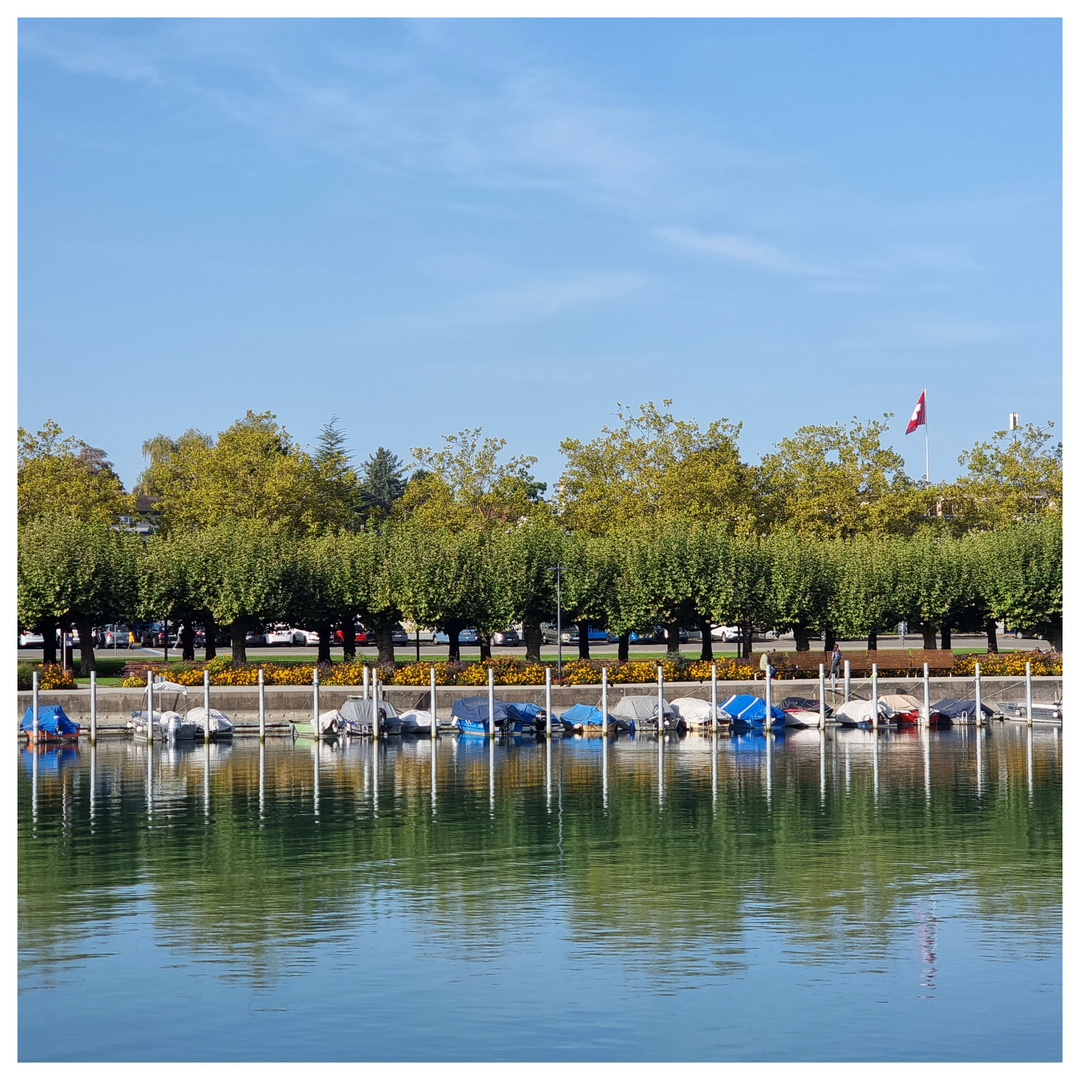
<point>549,652</point>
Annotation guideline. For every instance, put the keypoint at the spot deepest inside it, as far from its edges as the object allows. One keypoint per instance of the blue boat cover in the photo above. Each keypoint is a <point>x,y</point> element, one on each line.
<point>749,708</point>
<point>51,719</point>
<point>476,708</point>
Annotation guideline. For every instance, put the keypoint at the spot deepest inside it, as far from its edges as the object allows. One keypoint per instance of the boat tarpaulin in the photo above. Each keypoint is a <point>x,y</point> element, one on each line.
<point>955,708</point>
<point>749,707</point>
<point>638,707</point>
<point>51,719</point>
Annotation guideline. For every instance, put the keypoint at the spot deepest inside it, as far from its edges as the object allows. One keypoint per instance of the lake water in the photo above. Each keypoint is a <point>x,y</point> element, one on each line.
<point>837,897</point>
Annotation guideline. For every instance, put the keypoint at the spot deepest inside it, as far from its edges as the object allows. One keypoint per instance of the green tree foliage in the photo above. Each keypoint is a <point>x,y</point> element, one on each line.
<point>801,585</point>
<point>1020,573</point>
<point>79,571</point>
<point>65,475</point>
<point>381,483</point>
<point>253,472</point>
<point>465,486</point>
<point>1013,477</point>
<point>338,487</point>
<point>868,600</point>
<point>835,481</point>
<point>652,465</point>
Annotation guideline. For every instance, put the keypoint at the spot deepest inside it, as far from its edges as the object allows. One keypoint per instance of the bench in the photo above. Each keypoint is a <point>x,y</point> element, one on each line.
<point>890,662</point>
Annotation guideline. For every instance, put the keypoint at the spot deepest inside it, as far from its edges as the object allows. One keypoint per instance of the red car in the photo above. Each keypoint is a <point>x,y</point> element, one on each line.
<point>362,637</point>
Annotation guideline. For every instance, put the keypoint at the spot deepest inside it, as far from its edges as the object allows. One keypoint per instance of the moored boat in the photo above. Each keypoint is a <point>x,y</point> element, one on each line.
<point>221,727</point>
<point>54,725</point>
<point>698,714</point>
<point>748,710</point>
<point>641,710</point>
<point>588,718</point>
<point>470,715</point>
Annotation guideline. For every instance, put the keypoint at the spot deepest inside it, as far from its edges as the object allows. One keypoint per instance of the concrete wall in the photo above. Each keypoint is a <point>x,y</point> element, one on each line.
<point>115,705</point>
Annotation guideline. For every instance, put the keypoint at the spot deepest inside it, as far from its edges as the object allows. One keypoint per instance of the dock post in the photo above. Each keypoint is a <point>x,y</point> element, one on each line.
<point>660,701</point>
<point>34,719</point>
<point>375,702</point>
<point>847,680</point>
<point>978,696</point>
<point>149,705</point>
<point>434,714</point>
<point>712,700</point>
<point>768,698</point>
<point>873,691</point>
<point>206,704</point>
<point>1027,681</point>
<point>547,700</point>
<point>315,699</point>
<point>93,707</point>
<point>926,694</point>
<point>262,706</point>
<point>821,696</point>
<point>491,702</point>
<point>365,682</point>
<point>603,701</point>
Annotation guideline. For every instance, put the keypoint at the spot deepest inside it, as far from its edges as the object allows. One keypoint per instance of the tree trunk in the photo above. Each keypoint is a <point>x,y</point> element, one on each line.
<point>705,626</point>
<point>348,637</point>
<point>210,644</point>
<point>624,647</point>
<point>802,639</point>
<point>384,638</point>
<point>746,640</point>
<point>583,640</point>
<point>238,630</point>
<point>991,636</point>
<point>871,641</point>
<point>485,646</point>
<point>672,638</point>
<point>47,629</point>
<point>1054,632</point>
<point>534,638</point>
<point>86,646</point>
<point>830,639</point>
<point>946,637</point>
<point>452,631</point>
<point>326,634</point>
<point>929,635</point>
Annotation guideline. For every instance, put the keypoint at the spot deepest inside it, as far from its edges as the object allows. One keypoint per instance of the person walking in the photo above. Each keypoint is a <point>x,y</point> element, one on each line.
<point>837,661</point>
<point>187,642</point>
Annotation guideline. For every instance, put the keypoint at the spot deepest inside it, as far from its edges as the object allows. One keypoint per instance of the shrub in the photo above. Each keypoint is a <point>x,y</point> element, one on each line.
<point>1008,663</point>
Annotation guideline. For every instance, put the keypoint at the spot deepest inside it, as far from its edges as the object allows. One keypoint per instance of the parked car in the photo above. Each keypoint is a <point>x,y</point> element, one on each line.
<point>200,638</point>
<point>280,635</point>
<point>29,639</point>
<point>112,636</point>
<point>399,636</point>
<point>570,634</point>
<point>256,637</point>
<point>725,633</point>
<point>506,637</point>
<point>468,636</point>
<point>360,636</point>
<point>304,637</point>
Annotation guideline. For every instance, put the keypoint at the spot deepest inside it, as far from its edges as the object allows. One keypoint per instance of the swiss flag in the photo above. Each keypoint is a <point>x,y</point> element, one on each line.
<point>918,416</point>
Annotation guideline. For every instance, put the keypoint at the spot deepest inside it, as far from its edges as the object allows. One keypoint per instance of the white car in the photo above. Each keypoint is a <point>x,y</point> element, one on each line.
<point>280,635</point>
<point>725,633</point>
<point>29,640</point>
<point>304,637</point>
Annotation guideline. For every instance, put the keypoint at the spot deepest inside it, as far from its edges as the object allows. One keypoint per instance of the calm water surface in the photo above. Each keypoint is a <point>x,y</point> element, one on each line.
<point>836,897</point>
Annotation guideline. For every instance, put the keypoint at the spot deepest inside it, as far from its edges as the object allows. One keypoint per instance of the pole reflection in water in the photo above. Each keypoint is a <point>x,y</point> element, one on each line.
<point>604,754</point>
<point>978,761</point>
<point>715,739</point>
<point>924,736</point>
<point>1030,766</point>
<point>770,738</point>
<point>149,774</point>
<point>547,771</point>
<point>491,772</point>
<point>375,777</point>
<point>877,739</point>
<point>93,781</point>
<point>821,757</point>
<point>206,776</point>
<point>434,762</point>
<point>33,782</point>
<point>660,766</point>
<point>315,770</point>
<point>847,765</point>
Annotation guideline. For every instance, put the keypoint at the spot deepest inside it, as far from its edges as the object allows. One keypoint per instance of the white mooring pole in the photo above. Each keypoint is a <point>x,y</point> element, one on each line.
<point>262,706</point>
<point>315,698</point>
<point>1027,681</point>
<point>712,699</point>
<point>206,704</point>
<point>978,697</point>
<point>434,714</point>
<point>873,691</point>
<point>34,718</point>
<point>365,682</point>
<point>768,698</point>
<point>847,680</point>
<point>821,696</point>
<point>547,701</point>
<point>93,707</point>
<point>603,702</point>
<point>491,702</point>
<point>660,701</point>
<point>926,694</point>
<point>150,705</point>
<point>375,702</point>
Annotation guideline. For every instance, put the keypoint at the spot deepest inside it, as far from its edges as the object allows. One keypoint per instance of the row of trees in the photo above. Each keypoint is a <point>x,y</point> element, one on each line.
<point>665,572</point>
<point>656,520</point>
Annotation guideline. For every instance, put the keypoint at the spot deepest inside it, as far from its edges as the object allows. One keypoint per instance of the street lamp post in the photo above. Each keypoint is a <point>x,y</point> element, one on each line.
<point>558,611</point>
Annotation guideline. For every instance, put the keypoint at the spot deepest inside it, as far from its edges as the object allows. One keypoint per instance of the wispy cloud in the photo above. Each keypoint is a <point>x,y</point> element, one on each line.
<point>745,249</point>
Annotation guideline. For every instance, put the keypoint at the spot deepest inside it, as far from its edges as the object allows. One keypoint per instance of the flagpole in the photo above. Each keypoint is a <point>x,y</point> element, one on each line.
<point>926,434</point>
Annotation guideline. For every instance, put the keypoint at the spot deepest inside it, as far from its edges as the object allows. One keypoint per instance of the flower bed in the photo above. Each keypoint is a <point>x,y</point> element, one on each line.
<point>50,677</point>
<point>1008,663</point>
<point>508,671</point>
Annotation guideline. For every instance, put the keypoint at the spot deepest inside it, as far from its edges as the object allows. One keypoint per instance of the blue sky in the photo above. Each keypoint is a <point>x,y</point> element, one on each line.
<point>423,226</point>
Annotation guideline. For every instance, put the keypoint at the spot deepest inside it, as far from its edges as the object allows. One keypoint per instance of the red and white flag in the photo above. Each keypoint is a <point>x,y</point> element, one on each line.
<point>918,416</point>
